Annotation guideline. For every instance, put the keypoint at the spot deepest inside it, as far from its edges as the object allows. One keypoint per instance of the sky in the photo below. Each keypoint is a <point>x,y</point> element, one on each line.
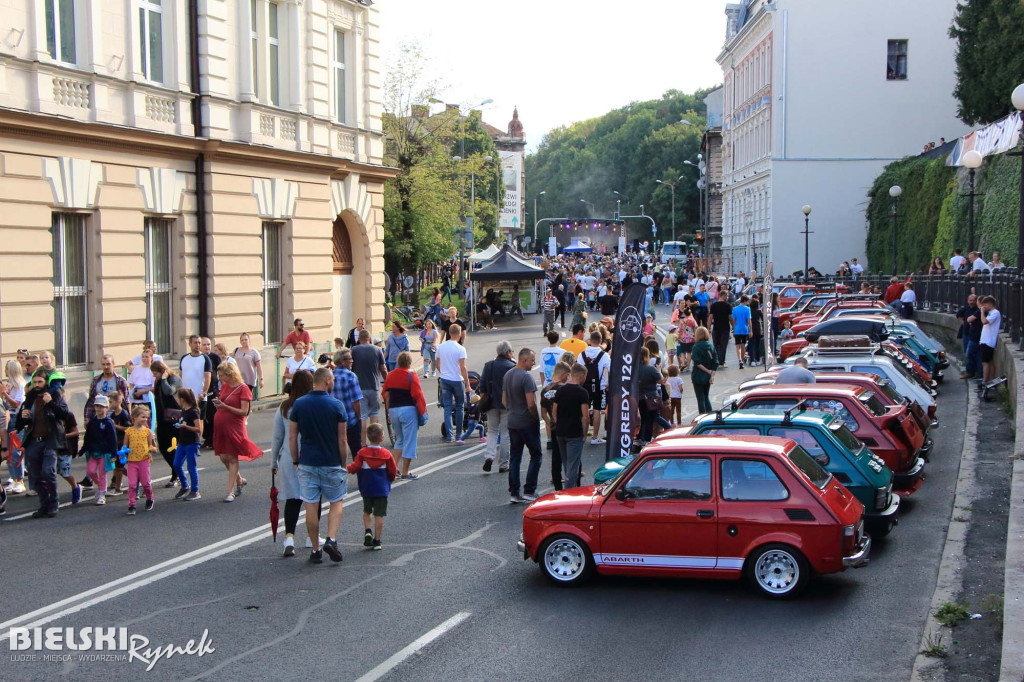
<point>559,61</point>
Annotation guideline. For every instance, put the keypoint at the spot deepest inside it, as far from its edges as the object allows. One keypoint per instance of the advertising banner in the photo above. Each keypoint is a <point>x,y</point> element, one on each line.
<point>995,138</point>
<point>766,307</point>
<point>512,178</point>
<point>624,378</point>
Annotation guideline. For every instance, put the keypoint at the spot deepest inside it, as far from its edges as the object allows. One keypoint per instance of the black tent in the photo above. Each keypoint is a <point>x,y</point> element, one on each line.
<point>506,266</point>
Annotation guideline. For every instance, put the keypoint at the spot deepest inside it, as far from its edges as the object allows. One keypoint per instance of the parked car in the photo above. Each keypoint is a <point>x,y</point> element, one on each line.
<point>832,445</point>
<point>703,507</point>
<point>891,433</point>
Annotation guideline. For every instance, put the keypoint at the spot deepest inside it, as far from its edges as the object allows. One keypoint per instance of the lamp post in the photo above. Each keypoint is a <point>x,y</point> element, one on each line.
<point>1018,103</point>
<point>972,160</point>
<point>589,205</point>
<point>672,186</point>
<point>895,191</point>
<point>618,202</point>
<point>807,233</point>
<point>536,217</point>
<point>462,150</point>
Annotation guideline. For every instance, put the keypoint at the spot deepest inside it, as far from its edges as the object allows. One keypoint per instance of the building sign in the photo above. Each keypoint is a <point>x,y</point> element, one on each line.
<point>512,178</point>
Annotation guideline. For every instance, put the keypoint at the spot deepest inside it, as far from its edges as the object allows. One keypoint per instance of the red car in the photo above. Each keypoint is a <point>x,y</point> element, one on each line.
<point>890,432</point>
<point>703,507</point>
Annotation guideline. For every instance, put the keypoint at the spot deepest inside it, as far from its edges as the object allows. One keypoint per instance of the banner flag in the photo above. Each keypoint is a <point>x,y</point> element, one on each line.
<point>624,378</point>
<point>766,307</point>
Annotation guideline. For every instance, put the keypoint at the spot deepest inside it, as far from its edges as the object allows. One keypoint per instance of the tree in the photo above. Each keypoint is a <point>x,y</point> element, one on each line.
<point>989,57</point>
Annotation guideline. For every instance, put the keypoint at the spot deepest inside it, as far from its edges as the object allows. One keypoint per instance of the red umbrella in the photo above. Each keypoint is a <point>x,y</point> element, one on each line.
<point>275,513</point>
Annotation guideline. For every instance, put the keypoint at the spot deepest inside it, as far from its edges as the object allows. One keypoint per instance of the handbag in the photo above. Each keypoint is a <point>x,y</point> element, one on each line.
<point>653,404</point>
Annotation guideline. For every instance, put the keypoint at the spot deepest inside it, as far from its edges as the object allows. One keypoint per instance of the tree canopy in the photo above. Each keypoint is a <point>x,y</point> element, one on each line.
<point>989,57</point>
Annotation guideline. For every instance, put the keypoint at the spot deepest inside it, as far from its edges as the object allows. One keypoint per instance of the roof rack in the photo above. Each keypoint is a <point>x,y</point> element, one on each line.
<point>837,344</point>
<point>787,416</point>
<point>718,417</point>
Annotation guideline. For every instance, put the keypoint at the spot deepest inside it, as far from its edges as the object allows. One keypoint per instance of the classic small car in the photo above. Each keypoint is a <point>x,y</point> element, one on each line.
<point>703,507</point>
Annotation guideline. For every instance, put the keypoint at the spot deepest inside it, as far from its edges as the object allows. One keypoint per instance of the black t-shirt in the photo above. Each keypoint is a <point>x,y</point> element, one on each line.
<point>609,304</point>
<point>547,396</point>
<point>571,398</point>
<point>184,436</point>
<point>445,323</point>
<point>124,419</point>
<point>214,379</point>
<point>720,313</point>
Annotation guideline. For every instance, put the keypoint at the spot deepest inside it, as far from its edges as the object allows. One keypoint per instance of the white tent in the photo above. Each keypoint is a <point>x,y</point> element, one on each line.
<point>487,254</point>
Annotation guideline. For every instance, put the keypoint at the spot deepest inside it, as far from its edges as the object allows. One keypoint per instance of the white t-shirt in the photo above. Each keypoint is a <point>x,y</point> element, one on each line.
<point>192,370</point>
<point>857,268</point>
<point>622,275</point>
<point>548,359</point>
<point>137,360</point>
<point>294,366</point>
<point>738,287</point>
<point>675,387</point>
<point>908,296</point>
<point>955,262</point>
<point>604,365</point>
<point>141,377</point>
<point>979,265</point>
<point>588,282</point>
<point>448,355</point>
<point>990,329</point>
<point>602,290</point>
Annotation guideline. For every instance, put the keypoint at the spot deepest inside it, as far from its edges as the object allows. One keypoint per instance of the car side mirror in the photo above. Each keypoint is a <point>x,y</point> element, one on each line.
<point>621,495</point>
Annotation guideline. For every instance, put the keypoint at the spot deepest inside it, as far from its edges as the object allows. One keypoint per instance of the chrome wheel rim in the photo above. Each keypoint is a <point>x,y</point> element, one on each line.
<point>777,571</point>
<point>564,560</point>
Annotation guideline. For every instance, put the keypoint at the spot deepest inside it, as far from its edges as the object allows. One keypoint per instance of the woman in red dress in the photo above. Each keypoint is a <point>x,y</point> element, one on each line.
<point>230,441</point>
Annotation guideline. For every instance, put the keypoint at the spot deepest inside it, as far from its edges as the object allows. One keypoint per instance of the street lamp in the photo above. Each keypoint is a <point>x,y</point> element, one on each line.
<point>895,191</point>
<point>536,217</point>
<point>972,160</point>
<point>618,202</point>
<point>589,205</point>
<point>462,151</point>
<point>672,186</point>
<point>807,233</point>
<point>1018,103</point>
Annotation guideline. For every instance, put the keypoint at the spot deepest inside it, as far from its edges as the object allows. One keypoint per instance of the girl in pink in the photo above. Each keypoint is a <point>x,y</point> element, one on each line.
<point>141,445</point>
<point>687,330</point>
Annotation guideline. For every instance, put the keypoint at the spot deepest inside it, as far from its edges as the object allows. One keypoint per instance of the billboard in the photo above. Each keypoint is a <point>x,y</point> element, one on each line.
<point>512,179</point>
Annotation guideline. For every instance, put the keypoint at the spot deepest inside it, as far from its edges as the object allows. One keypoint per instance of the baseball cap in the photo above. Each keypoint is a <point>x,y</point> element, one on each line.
<point>101,401</point>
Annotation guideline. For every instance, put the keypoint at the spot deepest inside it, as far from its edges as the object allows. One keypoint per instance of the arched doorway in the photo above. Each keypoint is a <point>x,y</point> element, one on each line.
<point>348,298</point>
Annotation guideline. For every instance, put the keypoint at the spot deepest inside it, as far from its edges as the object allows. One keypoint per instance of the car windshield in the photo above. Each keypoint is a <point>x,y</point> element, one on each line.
<point>607,486</point>
<point>874,405</point>
<point>818,477</point>
<point>845,436</point>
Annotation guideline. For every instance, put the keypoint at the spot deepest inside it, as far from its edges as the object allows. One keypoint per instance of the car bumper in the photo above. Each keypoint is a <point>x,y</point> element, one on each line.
<point>521,546</point>
<point>907,482</point>
<point>926,449</point>
<point>887,513</point>
<point>860,557</point>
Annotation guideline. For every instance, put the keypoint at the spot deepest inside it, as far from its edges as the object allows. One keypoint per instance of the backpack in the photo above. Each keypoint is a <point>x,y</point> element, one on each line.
<point>593,365</point>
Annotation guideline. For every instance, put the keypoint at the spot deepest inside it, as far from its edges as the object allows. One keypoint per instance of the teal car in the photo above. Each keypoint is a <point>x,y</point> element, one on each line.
<point>824,436</point>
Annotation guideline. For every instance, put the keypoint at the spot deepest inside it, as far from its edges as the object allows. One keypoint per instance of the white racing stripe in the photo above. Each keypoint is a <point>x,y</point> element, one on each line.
<point>147,576</point>
<point>422,641</point>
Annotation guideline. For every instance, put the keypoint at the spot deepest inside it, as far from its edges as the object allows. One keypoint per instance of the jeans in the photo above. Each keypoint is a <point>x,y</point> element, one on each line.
<point>42,469</point>
<point>571,450</point>
<point>549,321</point>
<point>405,422</point>
<point>647,419</point>
<point>703,393</point>
<point>446,290</point>
<point>497,444</point>
<point>556,463</point>
<point>471,426</point>
<point>972,357</point>
<point>429,360</point>
<point>518,438</point>
<point>186,455</point>
<point>452,393</point>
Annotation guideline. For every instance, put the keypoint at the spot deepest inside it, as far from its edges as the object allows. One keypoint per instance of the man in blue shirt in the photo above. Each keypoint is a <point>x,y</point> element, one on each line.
<point>741,328</point>
<point>346,389</point>
<point>320,463</point>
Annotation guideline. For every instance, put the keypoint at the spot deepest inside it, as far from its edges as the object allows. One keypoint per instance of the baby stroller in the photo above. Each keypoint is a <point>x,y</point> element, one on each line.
<point>474,386</point>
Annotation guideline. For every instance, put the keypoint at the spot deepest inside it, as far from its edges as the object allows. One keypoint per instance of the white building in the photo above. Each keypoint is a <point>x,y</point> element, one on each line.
<point>819,97</point>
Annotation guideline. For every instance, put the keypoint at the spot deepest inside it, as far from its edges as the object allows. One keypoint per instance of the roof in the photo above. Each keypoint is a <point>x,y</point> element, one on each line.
<point>722,445</point>
<point>762,416</point>
<point>507,266</point>
<point>803,390</point>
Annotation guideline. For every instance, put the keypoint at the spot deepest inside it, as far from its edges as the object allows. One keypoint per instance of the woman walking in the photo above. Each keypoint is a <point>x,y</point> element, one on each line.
<point>687,330</point>
<point>12,394</point>
<point>428,347</point>
<point>165,399</point>
<point>406,405</point>
<point>249,364</point>
<point>286,478</point>
<point>230,441</point>
<point>395,344</point>
<point>579,312</point>
<point>705,361</point>
<point>650,395</point>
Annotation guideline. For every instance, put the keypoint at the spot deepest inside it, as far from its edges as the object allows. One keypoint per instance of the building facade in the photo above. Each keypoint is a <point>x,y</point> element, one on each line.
<point>147,194</point>
<point>711,147</point>
<point>818,98</point>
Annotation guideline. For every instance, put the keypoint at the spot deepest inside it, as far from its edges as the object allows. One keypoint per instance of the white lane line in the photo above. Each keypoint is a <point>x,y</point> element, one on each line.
<point>147,576</point>
<point>425,639</point>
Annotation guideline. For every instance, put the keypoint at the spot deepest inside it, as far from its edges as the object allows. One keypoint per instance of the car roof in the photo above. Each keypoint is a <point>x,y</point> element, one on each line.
<point>760,445</point>
<point>800,390</point>
<point>803,417</point>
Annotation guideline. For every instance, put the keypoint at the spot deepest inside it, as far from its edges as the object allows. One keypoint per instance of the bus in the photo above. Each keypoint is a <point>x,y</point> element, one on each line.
<point>673,251</point>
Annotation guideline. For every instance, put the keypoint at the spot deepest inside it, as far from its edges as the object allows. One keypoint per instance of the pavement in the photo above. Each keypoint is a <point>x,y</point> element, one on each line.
<point>449,597</point>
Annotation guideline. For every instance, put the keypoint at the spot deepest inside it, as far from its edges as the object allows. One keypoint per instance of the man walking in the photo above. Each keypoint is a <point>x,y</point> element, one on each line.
<point>320,463</point>
<point>740,320</point>
<point>454,380</point>
<point>368,365</point>
<point>43,413</point>
<point>549,304</point>
<point>721,325</point>
<point>491,383</point>
<point>206,346</point>
<point>346,390</point>
<point>520,399</point>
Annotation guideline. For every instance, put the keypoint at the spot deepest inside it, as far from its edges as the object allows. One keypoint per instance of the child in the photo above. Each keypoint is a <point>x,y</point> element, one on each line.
<point>122,420</point>
<point>687,330</point>
<point>99,445</point>
<point>675,394</point>
<point>428,347</point>
<point>65,456</point>
<point>141,446</point>
<point>376,470</point>
<point>671,341</point>
<point>190,431</point>
<point>787,332</point>
<point>649,327</point>
<point>473,419</point>
<point>141,380</point>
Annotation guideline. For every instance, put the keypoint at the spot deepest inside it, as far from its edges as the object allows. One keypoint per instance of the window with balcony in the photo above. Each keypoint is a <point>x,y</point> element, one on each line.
<point>338,66</point>
<point>157,233</point>
<point>272,260</point>
<point>896,63</point>
<point>69,289</point>
<point>151,40</point>
<point>60,30</point>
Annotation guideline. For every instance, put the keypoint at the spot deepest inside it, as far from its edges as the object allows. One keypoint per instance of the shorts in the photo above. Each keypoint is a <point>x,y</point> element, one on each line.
<point>988,354</point>
<point>597,399</point>
<point>740,338</point>
<point>329,483</point>
<point>685,347</point>
<point>671,352</point>
<point>64,464</point>
<point>370,404</point>
<point>378,506</point>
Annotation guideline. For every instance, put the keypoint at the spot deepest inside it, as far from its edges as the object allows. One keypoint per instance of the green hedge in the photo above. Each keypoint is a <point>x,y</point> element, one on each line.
<point>932,212</point>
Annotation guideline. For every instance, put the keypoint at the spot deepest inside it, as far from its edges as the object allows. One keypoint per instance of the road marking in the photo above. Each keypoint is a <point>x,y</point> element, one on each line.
<point>147,576</point>
<point>425,639</point>
<point>90,497</point>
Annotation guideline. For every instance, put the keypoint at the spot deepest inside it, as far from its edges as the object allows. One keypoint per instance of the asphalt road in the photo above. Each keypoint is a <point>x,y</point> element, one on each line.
<point>449,597</point>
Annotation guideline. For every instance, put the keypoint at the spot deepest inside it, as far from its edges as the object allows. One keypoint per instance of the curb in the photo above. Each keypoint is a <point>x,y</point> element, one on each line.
<point>1011,665</point>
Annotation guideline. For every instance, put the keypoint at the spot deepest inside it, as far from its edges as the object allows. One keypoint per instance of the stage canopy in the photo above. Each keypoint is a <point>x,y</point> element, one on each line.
<point>506,266</point>
<point>577,247</point>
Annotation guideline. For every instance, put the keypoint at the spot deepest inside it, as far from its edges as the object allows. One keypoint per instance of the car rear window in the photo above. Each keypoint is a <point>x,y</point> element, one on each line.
<point>770,404</point>
<point>748,480</point>
<point>804,438</point>
<point>845,436</point>
<point>818,477</point>
<point>731,431</point>
<point>874,405</point>
<point>885,386</point>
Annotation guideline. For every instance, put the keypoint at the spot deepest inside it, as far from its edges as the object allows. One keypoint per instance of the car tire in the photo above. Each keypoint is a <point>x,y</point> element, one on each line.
<point>880,528</point>
<point>778,571</point>
<point>565,560</point>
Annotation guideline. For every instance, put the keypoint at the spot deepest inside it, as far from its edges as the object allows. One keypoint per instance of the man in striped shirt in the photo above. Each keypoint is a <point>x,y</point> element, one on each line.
<point>549,304</point>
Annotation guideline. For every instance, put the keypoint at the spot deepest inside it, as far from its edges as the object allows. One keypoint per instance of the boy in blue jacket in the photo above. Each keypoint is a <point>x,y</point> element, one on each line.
<point>376,469</point>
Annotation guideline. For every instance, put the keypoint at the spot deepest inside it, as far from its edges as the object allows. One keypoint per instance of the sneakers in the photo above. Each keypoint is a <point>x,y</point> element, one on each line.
<point>114,492</point>
<point>86,482</point>
<point>528,497</point>
<point>723,367</point>
<point>502,470</point>
<point>409,477</point>
<point>17,488</point>
<point>316,557</point>
<point>170,484</point>
<point>487,464</point>
<point>43,514</point>
<point>289,547</point>
<point>331,547</point>
<point>131,510</point>
<point>181,493</point>
<point>459,441</point>
<point>149,505</point>
<point>367,538</point>
<point>230,497</point>
<point>483,439</point>
<point>309,543</point>
<point>516,499</point>
<point>101,500</point>
<point>193,496</point>
<point>598,441</point>
<point>76,494</point>
<point>376,546</point>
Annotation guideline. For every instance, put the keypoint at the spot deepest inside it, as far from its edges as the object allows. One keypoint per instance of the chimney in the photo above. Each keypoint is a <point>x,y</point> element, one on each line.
<point>451,108</point>
<point>420,111</point>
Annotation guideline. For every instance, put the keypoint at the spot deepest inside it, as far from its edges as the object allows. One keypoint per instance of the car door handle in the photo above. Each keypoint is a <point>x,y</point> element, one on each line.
<point>705,513</point>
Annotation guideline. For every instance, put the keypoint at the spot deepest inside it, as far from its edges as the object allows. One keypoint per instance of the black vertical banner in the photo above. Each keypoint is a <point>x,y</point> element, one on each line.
<point>623,382</point>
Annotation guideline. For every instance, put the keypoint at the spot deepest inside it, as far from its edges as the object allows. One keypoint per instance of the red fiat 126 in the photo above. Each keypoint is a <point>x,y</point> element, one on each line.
<point>703,507</point>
